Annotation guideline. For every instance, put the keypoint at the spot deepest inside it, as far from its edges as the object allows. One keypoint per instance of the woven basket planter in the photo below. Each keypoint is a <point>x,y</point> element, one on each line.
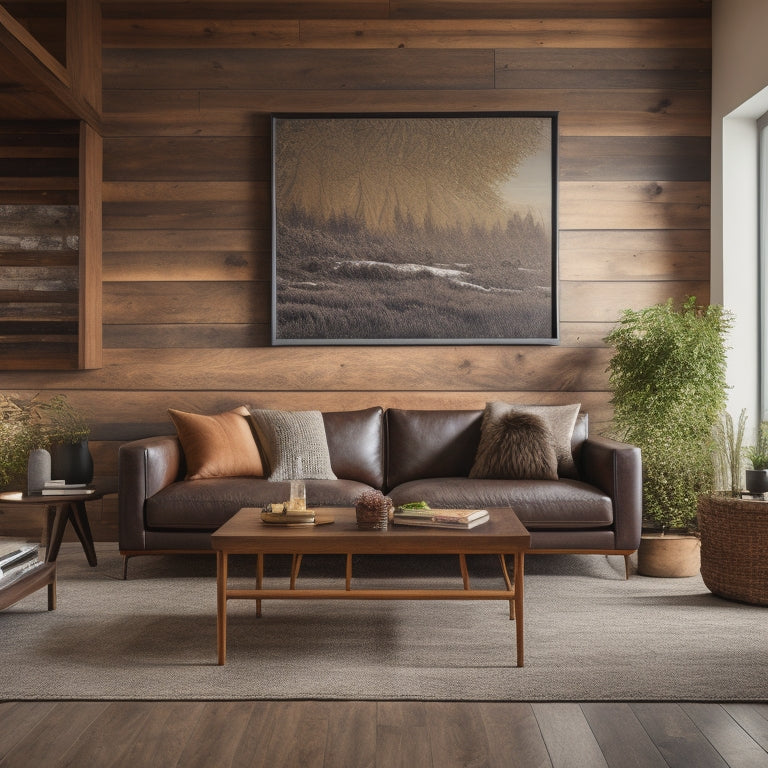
<point>734,548</point>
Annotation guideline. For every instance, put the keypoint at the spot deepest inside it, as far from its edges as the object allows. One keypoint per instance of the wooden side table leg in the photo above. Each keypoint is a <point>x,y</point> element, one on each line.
<point>56,522</point>
<point>52,595</point>
<point>464,571</point>
<point>259,580</point>
<point>221,606</point>
<point>79,517</point>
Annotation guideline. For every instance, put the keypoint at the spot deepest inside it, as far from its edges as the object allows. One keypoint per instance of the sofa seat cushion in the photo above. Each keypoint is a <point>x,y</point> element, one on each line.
<point>560,504</point>
<point>204,505</point>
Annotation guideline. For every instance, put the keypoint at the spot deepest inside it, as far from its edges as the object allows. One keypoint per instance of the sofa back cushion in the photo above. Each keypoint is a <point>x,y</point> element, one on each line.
<point>356,445</point>
<point>422,444</point>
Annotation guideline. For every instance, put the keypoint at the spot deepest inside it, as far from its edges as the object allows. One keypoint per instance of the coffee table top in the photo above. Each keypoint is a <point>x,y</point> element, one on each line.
<point>245,533</point>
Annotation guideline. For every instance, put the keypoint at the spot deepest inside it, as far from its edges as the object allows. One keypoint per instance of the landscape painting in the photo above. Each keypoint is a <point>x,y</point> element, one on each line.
<point>414,229</point>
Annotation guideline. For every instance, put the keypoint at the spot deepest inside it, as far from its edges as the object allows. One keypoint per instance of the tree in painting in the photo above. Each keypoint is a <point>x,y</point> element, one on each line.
<point>413,228</point>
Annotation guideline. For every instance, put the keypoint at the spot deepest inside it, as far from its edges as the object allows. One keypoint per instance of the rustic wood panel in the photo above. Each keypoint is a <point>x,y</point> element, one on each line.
<point>39,240</point>
<point>188,89</point>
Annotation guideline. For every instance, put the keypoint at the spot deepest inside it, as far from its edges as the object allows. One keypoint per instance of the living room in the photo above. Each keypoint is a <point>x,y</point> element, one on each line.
<point>654,100</point>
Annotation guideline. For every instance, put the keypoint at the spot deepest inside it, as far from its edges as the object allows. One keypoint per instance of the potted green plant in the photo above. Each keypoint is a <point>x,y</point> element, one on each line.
<point>28,423</point>
<point>757,477</point>
<point>668,376</point>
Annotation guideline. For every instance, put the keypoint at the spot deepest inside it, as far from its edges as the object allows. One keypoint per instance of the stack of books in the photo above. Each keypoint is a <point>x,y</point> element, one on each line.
<point>62,488</point>
<point>462,519</point>
<point>17,557</point>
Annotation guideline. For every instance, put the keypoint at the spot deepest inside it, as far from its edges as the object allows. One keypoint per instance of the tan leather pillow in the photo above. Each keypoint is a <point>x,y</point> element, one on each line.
<point>218,446</point>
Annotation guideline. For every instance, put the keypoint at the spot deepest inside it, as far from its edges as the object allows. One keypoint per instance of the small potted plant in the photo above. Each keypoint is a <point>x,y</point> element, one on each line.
<point>29,423</point>
<point>757,477</point>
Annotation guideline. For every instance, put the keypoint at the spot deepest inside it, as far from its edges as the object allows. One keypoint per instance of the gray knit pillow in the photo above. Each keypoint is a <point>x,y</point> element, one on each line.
<point>515,446</point>
<point>284,436</point>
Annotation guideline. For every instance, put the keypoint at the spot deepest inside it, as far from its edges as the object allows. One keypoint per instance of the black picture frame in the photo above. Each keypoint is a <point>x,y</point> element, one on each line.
<point>414,228</point>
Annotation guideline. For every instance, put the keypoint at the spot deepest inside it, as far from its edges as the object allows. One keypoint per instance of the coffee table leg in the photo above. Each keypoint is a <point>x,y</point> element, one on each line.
<point>519,570</point>
<point>78,516</point>
<point>56,522</point>
<point>259,580</point>
<point>221,605</point>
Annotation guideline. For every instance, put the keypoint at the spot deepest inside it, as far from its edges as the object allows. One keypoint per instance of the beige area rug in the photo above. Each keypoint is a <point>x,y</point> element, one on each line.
<point>590,635</point>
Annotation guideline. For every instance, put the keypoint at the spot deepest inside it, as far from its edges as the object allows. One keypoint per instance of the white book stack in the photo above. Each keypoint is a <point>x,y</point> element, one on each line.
<point>16,557</point>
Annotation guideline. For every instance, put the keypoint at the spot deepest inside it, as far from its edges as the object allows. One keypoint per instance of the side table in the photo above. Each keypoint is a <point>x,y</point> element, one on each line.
<point>734,547</point>
<point>60,510</point>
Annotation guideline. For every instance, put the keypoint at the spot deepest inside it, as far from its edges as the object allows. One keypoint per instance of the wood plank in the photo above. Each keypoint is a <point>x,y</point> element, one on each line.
<point>213,265</point>
<point>156,241</point>
<point>514,738</point>
<point>90,296</point>
<point>514,33</point>
<point>186,214</point>
<point>631,266</point>
<point>246,9</point>
<point>186,302</point>
<point>402,735</point>
<point>156,191</point>
<point>19,719</point>
<point>630,205</point>
<point>396,33</point>
<point>604,301</point>
<point>185,159</point>
<point>348,739</point>
<point>459,9</point>
<point>163,336</point>
<point>457,734</point>
<point>620,158</point>
<point>620,735</point>
<point>83,50</point>
<point>298,69</point>
<point>735,743</point>
<point>56,733</point>
<point>753,718</point>
<point>681,744</point>
<point>567,735</point>
<point>341,369</point>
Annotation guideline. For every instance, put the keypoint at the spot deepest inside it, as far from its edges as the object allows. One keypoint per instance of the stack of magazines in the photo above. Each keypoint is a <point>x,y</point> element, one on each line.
<point>440,518</point>
<point>17,557</point>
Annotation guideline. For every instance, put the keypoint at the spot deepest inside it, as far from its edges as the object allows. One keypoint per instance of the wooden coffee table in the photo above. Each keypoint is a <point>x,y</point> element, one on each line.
<point>245,533</point>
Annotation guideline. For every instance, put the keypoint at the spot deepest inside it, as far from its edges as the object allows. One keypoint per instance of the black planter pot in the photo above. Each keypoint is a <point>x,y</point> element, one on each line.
<point>757,480</point>
<point>72,463</point>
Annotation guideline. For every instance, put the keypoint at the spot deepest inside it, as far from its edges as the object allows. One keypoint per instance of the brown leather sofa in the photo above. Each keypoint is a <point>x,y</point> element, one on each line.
<point>409,454</point>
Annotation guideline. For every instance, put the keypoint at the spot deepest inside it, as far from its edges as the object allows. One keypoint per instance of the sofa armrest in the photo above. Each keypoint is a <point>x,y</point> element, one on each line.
<point>616,469</point>
<point>144,467</point>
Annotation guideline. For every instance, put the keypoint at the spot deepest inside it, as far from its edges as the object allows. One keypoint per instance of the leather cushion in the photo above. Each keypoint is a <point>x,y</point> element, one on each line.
<point>559,504</point>
<point>423,444</point>
<point>207,504</point>
<point>218,446</point>
<point>356,444</point>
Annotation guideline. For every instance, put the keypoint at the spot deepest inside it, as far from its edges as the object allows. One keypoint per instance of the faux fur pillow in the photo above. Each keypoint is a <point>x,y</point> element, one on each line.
<point>218,446</point>
<point>516,446</point>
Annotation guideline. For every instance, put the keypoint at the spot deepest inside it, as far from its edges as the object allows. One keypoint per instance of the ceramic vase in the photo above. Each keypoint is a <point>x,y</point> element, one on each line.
<point>38,470</point>
<point>72,463</point>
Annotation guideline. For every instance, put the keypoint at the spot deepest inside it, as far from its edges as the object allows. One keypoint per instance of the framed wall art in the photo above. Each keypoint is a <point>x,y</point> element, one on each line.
<point>436,228</point>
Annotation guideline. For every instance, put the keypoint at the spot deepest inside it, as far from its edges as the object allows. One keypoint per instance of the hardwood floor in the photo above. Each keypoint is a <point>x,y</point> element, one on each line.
<point>362,733</point>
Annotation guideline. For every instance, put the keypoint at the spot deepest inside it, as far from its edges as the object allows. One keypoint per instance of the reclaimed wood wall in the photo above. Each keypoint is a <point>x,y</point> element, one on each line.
<point>187,91</point>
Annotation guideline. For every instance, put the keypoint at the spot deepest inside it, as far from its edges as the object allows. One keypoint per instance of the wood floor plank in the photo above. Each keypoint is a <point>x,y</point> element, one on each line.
<point>622,739</point>
<point>402,736</point>
<point>20,718</point>
<point>753,718</point>
<point>457,735</point>
<point>284,733</point>
<point>514,737</point>
<point>351,739</point>
<point>55,734</point>
<point>165,734</point>
<point>676,736</point>
<point>727,736</point>
<point>218,733</point>
<point>567,735</point>
<point>109,736</point>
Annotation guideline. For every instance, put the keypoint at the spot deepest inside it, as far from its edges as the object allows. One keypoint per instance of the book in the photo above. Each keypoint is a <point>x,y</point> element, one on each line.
<point>14,552</point>
<point>439,522</point>
<point>66,491</point>
<point>63,484</point>
<point>455,516</point>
